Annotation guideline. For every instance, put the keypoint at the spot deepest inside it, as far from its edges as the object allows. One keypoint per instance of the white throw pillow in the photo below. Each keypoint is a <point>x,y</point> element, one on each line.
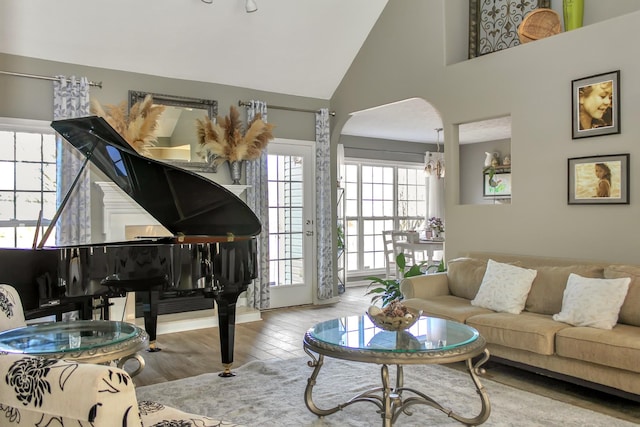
<point>592,302</point>
<point>504,287</point>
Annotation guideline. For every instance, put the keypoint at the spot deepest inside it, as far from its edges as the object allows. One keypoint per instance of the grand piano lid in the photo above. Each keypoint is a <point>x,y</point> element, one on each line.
<point>184,202</point>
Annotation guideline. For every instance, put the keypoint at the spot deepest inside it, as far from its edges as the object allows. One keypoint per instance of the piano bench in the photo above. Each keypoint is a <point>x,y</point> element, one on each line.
<point>38,391</point>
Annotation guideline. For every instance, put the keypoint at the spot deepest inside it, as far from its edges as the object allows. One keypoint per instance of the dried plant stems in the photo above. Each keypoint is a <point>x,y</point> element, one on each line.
<point>138,128</point>
<point>227,141</point>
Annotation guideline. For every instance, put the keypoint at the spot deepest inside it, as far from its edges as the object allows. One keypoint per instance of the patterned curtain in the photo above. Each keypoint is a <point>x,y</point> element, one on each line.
<point>258,201</point>
<point>71,99</point>
<point>324,221</point>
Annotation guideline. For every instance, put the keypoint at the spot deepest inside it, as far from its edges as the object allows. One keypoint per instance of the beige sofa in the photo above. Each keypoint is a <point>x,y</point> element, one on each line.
<point>600,358</point>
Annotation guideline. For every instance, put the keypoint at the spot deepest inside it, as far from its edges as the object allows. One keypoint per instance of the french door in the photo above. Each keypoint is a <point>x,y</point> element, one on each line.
<point>291,164</point>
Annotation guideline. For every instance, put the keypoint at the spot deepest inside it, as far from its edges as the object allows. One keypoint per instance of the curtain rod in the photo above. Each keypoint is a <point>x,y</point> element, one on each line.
<point>277,107</point>
<point>386,151</point>
<point>33,76</point>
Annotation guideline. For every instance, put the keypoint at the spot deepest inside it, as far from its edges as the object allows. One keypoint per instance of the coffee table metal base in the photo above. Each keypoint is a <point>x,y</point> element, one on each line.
<point>391,402</point>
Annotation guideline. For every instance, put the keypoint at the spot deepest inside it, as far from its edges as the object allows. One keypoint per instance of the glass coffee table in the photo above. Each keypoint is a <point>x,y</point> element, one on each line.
<point>429,341</point>
<point>90,341</point>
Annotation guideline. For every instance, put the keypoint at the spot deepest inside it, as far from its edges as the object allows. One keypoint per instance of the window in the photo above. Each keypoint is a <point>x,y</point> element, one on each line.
<point>379,197</point>
<point>27,180</point>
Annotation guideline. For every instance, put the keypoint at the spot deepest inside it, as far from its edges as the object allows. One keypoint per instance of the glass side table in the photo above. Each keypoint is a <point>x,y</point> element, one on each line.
<point>90,341</point>
<point>429,341</point>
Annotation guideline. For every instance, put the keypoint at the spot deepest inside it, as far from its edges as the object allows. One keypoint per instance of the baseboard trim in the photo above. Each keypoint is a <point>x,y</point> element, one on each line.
<point>568,378</point>
<point>200,319</point>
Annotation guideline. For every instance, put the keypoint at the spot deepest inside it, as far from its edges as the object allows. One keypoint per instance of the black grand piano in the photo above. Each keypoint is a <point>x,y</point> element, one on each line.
<point>212,249</point>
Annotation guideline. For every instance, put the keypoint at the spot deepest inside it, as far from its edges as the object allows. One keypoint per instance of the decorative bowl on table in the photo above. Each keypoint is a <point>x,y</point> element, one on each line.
<point>400,319</point>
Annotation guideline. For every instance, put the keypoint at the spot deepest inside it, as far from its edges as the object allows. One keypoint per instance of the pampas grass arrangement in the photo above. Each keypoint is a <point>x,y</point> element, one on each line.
<point>138,128</point>
<point>226,139</point>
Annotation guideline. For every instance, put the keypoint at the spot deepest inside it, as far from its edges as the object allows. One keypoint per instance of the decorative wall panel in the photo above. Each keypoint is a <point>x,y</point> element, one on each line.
<point>493,24</point>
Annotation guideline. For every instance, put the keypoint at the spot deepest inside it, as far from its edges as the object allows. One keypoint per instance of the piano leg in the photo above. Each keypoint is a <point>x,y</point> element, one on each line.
<point>226,304</point>
<point>150,311</point>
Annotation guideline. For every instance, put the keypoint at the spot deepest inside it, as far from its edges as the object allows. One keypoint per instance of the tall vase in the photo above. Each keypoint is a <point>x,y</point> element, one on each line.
<point>235,169</point>
<point>573,11</point>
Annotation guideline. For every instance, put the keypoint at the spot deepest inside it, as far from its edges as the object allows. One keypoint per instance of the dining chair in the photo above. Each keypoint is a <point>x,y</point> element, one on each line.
<point>398,237</point>
<point>389,254</point>
<point>11,312</point>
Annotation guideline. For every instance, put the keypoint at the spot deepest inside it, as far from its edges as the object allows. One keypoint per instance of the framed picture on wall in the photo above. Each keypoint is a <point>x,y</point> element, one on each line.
<point>599,180</point>
<point>595,105</point>
<point>497,185</point>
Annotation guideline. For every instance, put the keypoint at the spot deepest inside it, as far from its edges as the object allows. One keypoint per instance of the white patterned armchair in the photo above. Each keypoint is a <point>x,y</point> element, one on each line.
<point>43,392</point>
<point>11,312</point>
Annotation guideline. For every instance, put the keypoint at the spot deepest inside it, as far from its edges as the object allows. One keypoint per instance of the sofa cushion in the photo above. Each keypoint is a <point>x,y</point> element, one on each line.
<point>446,306</point>
<point>630,310</point>
<point>618,348</point>
<point>525,331</point>
<point>592,302</point>
<point>465,276</point>
<point>504,287</point>
<point>545,296</point>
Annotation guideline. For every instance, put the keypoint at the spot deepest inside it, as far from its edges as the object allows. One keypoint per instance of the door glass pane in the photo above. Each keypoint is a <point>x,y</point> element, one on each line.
<point>286,222</point>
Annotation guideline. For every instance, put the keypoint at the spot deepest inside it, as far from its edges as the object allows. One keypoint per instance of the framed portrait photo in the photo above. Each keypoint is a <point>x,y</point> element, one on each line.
<point>599,180</point>
<point>497,186</point>
<point>595,105</point>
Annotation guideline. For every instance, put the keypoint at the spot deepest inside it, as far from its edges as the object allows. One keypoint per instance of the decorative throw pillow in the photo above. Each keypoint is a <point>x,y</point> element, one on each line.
<point>465,275</point>
<point>592,302</point>
<point>504,287</point>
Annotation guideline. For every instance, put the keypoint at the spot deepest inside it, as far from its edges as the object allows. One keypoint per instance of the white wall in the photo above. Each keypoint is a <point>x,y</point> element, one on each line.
<point>404,57</point>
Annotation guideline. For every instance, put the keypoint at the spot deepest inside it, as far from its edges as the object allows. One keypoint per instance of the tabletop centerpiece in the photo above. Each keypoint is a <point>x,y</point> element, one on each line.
<point>394,315</point>
<point>226,140</point>
<point>436,225</point>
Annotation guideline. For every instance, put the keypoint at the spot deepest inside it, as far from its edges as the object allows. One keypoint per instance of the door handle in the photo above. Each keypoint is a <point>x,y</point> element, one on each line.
<point>309,233</point>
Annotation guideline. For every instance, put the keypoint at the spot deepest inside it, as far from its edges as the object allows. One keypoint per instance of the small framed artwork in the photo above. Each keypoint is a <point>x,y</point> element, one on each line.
<point>595,105</point>
<point>599,180</point>
<point>498,185</point>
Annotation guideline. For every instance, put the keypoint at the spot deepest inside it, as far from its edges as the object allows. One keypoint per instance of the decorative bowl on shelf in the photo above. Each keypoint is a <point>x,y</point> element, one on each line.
<point>393,323</point>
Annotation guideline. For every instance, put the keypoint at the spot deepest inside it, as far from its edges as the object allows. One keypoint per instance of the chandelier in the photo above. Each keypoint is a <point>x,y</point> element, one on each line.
<point>434,162</point>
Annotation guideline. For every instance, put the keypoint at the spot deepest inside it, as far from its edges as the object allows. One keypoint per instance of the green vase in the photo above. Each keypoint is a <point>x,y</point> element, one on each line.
<point>573,12</point>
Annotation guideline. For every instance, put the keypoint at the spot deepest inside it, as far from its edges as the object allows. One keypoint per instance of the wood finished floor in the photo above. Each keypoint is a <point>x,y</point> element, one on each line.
<point>279,336</point>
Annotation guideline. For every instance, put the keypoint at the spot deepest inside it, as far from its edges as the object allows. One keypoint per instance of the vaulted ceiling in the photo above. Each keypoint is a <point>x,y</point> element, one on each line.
<point>293,47</point>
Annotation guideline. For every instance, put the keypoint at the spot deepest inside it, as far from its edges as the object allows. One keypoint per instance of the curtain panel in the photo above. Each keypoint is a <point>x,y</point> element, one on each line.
<point>71,99</point>
<point>258,200</point>
<point>324,221</point>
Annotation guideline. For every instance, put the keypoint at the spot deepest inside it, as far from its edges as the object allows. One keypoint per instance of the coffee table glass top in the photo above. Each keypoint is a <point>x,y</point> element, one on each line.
<point>73,336</point>
<point>428,334</point>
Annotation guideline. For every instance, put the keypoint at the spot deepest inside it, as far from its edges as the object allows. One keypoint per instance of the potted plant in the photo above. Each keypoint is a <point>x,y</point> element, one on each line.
<point>437,227</point>
<point>340,233</point>
<point>440,268</point>
<point>138,127</point>
<point>227,140</point>
<point>387,290</point>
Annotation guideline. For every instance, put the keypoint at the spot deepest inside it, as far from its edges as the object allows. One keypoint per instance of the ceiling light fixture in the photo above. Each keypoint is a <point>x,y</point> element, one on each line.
<point>434,166</point>
<point>251,6</point>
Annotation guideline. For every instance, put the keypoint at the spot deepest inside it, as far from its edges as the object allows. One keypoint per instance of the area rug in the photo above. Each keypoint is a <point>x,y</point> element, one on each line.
<point>271,394</point>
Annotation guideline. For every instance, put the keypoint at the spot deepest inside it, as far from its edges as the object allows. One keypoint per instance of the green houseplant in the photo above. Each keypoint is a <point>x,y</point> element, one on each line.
<point>440,268</point>
<point>388,290</point>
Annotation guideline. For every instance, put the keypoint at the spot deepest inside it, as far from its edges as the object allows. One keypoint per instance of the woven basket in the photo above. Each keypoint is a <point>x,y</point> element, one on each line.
<point>538,24</point>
